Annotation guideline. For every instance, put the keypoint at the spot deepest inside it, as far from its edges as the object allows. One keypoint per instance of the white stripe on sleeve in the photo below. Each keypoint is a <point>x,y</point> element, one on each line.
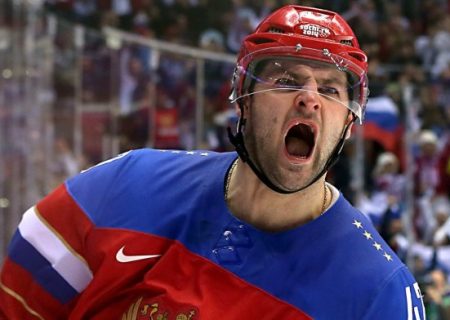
<point>69,266</point>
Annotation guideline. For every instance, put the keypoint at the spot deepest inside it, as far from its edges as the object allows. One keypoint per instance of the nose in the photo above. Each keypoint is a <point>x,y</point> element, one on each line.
<point>308,98</point>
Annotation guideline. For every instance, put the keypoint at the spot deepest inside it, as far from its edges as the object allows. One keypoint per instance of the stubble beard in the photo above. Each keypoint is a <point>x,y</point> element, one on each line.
<point>265,157</point>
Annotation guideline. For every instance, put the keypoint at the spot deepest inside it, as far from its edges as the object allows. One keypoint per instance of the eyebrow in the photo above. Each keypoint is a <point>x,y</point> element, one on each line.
<point>327,80</point>
<point>279,67</point>
<point>334,80</point>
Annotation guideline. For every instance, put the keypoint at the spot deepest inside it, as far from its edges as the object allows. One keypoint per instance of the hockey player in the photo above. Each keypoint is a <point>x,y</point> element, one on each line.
<point>257,234</point>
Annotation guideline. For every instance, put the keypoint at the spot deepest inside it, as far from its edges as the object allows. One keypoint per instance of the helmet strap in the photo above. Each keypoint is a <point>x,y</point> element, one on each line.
<point>334,157</point>
<point>237,140</point>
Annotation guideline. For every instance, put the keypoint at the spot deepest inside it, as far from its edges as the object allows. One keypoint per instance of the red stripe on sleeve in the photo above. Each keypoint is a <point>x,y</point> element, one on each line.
<point>63,215</point>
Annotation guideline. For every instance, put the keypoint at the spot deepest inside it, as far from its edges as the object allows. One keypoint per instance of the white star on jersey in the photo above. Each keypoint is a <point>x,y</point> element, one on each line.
<point>357,224</point>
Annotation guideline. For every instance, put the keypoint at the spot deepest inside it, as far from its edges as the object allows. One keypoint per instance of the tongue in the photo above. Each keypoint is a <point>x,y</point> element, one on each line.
<point>297,147</point>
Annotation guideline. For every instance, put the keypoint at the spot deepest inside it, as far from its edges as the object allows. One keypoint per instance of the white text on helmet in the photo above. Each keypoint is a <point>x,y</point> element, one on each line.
<point>315,30</point>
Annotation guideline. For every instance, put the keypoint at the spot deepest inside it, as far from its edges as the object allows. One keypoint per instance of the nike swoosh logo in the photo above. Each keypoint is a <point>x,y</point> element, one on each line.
<point>123,258</point>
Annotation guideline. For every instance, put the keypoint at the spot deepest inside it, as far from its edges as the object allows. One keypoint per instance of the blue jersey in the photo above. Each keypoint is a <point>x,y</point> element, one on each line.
<point>148,234</point>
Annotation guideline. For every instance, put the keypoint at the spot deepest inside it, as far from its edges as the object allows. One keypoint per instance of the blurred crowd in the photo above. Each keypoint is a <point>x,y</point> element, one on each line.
<point>408,43</point>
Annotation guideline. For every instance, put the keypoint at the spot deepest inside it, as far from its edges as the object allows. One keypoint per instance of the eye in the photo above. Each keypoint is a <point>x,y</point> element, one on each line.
<point>286,82</point>
<point>329,91</point>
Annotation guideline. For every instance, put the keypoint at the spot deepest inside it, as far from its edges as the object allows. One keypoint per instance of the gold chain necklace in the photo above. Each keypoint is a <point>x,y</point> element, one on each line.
<point>324,198</point>
<point>230,173</point>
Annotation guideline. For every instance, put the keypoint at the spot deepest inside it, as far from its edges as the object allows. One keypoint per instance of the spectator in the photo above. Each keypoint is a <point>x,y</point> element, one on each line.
<point>244,20</point>
<point>436,295</point>
<point>444,168</point>
<point>441,45</point>
<point>65,164</point>
<point>385,204</point>
<point>427,170</point>
<point>86,13</point>
<point>124,11</point>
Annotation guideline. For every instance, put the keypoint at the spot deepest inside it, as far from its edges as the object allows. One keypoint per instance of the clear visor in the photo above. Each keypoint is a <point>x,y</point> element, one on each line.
<point>331,78</point>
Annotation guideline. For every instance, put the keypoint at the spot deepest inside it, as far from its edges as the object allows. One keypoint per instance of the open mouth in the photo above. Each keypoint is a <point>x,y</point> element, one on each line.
<point>299,141</point>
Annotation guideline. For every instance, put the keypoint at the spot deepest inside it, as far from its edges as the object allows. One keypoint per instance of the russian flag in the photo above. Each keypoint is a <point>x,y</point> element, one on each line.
<point>382,122</point>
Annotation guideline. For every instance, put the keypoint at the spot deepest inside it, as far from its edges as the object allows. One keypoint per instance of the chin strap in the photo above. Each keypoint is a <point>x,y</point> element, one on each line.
<point>237,141</point>
<point>334,157</point>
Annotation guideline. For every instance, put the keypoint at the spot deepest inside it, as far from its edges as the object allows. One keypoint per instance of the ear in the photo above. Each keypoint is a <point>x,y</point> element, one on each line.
<point>349,131</point>
<point>244,104</point>
<point>237,109</point>
<point>350,119</point>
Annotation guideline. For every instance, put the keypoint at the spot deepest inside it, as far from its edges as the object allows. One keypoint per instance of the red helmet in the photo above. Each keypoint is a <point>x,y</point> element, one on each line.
<point>310,34</point>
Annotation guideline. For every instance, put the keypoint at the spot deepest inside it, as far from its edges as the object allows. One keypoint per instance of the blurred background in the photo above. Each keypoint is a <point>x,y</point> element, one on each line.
<point>84,80</point>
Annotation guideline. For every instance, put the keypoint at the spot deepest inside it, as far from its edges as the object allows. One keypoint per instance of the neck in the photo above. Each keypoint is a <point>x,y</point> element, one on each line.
<point>252,201</point>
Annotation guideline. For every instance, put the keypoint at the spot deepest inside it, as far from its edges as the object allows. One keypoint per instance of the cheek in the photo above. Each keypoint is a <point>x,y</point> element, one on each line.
<point>261,128</point>
<point>337,117</point>
<point>274,120</point>
<point>264,124</point>
<point>266,111</point>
